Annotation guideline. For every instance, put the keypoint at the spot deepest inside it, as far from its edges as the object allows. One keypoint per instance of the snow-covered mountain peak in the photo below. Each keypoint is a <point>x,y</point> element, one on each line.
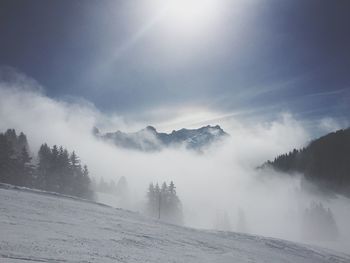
<point>149,139</point>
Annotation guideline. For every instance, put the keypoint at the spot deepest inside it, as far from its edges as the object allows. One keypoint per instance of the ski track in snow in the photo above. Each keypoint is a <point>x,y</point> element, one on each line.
<point>37,226</point>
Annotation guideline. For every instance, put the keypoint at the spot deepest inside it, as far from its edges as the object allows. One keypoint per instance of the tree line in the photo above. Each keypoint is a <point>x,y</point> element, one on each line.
<point>325,161</point>
<point>54,169</point>
<point>318,223</point>
<point>163,203</point>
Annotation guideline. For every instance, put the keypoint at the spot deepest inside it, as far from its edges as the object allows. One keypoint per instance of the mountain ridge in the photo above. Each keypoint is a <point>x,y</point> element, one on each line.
<point>149,139</point>
<point>324,161</point>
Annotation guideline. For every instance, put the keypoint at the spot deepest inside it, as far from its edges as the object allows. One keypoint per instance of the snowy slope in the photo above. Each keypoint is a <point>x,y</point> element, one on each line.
<point>40,227</point>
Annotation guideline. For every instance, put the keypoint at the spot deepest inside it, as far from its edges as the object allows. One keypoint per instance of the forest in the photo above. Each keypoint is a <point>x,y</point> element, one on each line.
<point>53,169</point>
<point>325,161</point>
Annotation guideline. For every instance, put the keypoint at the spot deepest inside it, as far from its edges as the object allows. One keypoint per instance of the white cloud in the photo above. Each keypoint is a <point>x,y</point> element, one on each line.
<point>328,124</point>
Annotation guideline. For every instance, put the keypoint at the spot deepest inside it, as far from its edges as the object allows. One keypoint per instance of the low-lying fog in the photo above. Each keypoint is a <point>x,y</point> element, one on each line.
<point>222,185</point>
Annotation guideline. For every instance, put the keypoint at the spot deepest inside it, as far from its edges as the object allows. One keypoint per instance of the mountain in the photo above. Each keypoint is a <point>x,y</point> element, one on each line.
<point>39,226</point>
<point>149,139</point>
<point>325,162</point>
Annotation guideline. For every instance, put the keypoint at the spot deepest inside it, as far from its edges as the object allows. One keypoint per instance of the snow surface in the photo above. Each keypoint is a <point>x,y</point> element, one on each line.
<point>43,227</point>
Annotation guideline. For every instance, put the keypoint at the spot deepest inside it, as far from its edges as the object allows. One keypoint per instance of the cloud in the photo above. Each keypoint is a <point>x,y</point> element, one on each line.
<point>328,124</point>
<point>225,179</point>
<point>12,78</point>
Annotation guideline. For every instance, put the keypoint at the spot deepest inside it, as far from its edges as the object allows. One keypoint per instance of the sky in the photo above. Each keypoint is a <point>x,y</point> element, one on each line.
<point>154,60</point>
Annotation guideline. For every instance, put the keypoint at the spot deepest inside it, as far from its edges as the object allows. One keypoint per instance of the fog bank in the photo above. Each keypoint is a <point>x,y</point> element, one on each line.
<point>222,184</point>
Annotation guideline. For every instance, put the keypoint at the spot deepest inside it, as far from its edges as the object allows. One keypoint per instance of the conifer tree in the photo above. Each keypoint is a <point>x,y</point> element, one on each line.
<point>22,142</point>
<point>6,159</point>
<point>85,182</point>
<point>26,169</point>
<point>43,168</point>
<point>53,177</point>
<point>64,171</point>
<point>163,203</point>
<point>151,202</point>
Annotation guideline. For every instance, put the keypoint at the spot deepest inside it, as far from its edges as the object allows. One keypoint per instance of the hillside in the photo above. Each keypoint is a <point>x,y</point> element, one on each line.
<point>149,139</point>
<point>42,227</point>
<point>325,161</point>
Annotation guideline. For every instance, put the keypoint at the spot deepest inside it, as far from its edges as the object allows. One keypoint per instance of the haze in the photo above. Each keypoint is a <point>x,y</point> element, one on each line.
<point>222,181</point>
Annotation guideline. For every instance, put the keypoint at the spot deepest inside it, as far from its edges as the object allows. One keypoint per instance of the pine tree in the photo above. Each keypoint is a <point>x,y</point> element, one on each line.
<point>74,160</point>
<point>151,202</point>
<point>172,188</point>
<point>76,174</point>
<point>22,142</point>
<point>44,166</point>
<point>64,172</point>
<point>157,200</point>
<point>174,204</point>
<point>53,175</point>
<point>82,183</point>
<point>11,136</point>
<point>86,184</point>
<point>102,186</point>
<point>6,159</point>
<point>163,203</point>
<point>26,169</point>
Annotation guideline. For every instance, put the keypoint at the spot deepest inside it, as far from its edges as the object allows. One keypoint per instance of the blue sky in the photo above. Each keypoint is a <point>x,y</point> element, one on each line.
<point>247,58</point>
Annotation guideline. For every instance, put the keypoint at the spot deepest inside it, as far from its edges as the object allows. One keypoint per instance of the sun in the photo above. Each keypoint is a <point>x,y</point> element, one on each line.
<point>190,12</point>
<point>189,16</point>
<point>179,32</point>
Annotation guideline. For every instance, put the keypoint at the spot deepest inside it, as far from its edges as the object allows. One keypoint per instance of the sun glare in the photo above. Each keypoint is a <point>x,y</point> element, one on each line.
<point>189,12</point>
<point>189,16</point>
